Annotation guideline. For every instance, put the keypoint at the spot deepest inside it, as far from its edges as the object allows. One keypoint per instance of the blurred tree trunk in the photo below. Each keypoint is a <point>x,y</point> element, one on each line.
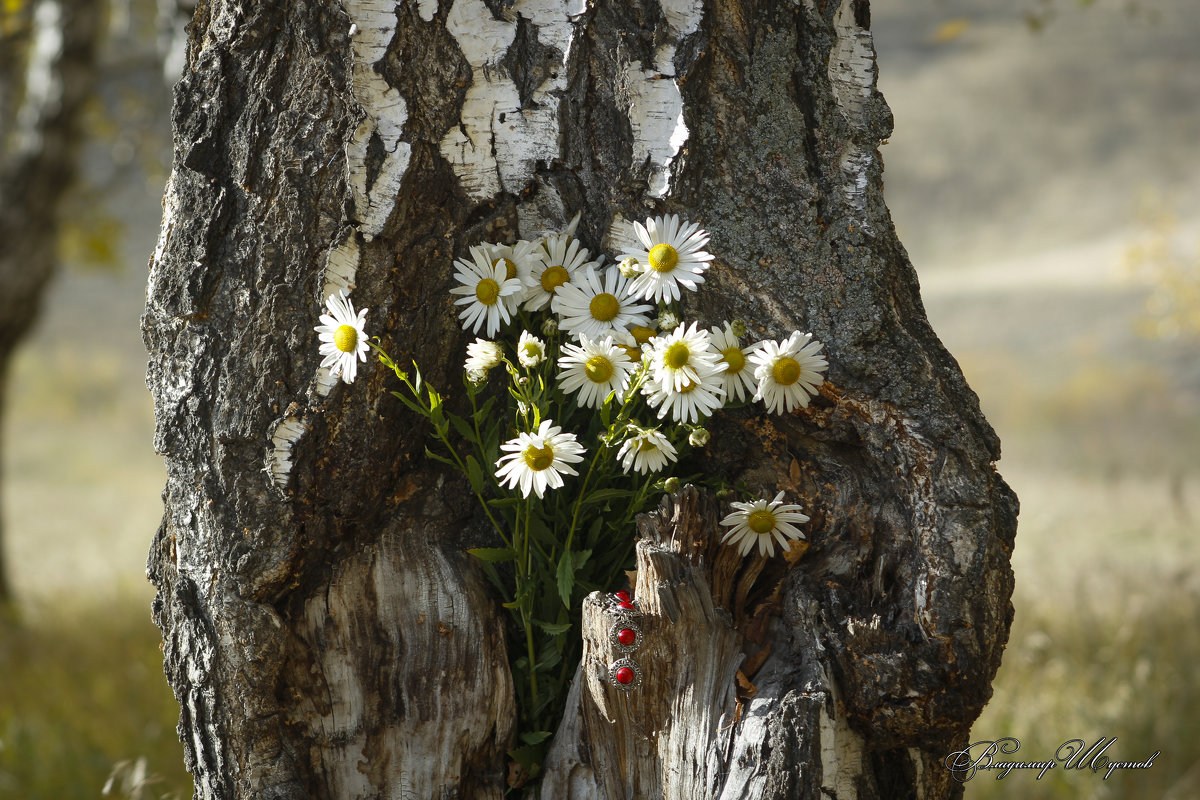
<point>325,634</point>
<point>47,60</point>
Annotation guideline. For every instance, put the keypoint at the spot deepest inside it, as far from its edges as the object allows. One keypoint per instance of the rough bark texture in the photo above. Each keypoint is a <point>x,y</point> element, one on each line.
<point>47,59</point>
<point>324,633</point>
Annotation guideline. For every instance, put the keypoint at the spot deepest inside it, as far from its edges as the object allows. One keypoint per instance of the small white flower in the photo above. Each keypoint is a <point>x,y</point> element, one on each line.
<point>763,522</point>
<point>483,355</point>
<point>646,451</point>
<point>682,357</point>
<point>630,268</point>
<point>698,437</point>
<point>693,401</point>
<point>531,350</point>
<point>673,253</point>
<point>558,261</point>
<point>518,261</point>
<point>594,369</point>
<point>343,337</point>
<point>788,372</point>
<point>738,377</point>
<point>538,460</point>
<point>484,286</point>
<point>667,320</point>
<point>597,304</point>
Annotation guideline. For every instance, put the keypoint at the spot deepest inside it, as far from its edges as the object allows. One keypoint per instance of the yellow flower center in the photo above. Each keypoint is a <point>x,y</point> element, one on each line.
<point>687,386</point>
<point>786,371</point>
<point>598,369</point>
<point>642,334</point>
<point>553,277</point>
<point>677,355</point>
<point>663,258</point>
<point>510,269</point>
<point>734,358</point>
<point>487,291</point>
<point>345,338</point>
<point>604,307</point>
<point>539,458</point>
<point>634,353</point>
<point>761,521</point>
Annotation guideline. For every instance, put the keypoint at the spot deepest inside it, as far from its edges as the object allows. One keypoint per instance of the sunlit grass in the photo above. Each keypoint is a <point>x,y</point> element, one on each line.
<point>1115,659</point>
<point>82,693</point>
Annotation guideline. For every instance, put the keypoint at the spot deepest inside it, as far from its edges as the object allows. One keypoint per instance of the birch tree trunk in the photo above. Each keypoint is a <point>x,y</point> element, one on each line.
<point>325,633</point>
<point>47,58</point>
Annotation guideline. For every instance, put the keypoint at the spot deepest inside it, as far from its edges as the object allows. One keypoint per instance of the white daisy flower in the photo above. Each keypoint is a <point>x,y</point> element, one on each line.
<point>738,377</point>
<point>560,258</point>
<point>646,451</point>
<point>597,304</point>
<point>594,369</point>
<point>788,372</point>
<point>682,356</point>
<point>667,320</point>
<point>343,337</point>
<point>518,261</point>
<point>531,350</point>
<point>535,461</point>
<point>763,522</point>
<point>482,356</point>
<point>693,401</point>
<point>629,268</point>
<point>484,286</point>
<point>673,254</point>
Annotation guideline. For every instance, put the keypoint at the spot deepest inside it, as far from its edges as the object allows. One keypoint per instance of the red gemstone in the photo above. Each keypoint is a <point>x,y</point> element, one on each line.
<point>626,636</point>
<point>626,606</point>
<point>625,675</point>
<point>623,596</point>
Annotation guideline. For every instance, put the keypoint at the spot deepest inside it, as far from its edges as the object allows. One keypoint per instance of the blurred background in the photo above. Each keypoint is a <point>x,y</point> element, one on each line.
<point>1043,177</point>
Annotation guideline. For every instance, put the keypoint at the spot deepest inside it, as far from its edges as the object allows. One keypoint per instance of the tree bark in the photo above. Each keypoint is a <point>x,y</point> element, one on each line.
<point>325,633</point>
<point>47,58</point>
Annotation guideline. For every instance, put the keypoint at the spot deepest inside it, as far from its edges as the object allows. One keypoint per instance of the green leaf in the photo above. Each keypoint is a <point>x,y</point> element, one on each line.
<point>430,454</point>
<point>535,737</point>
<point>553,628</point>
<point>581,557</point>
<point>411,404</point>
<point>601,495</point>
<point>505,502</point>
<point>493,554</point>
<point>565,576</point>
<point>530,758</point>
<point>460,425</point>
<point>474,474</point>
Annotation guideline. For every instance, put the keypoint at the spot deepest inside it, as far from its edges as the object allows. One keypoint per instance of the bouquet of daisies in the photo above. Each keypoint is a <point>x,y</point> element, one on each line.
<point>603,389</point>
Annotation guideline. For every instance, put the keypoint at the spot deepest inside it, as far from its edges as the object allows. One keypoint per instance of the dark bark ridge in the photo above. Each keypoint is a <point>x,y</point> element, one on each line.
<point>325,634</point>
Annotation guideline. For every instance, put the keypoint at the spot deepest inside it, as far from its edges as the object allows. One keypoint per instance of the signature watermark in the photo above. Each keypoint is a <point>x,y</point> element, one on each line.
<point>1073,754</point>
